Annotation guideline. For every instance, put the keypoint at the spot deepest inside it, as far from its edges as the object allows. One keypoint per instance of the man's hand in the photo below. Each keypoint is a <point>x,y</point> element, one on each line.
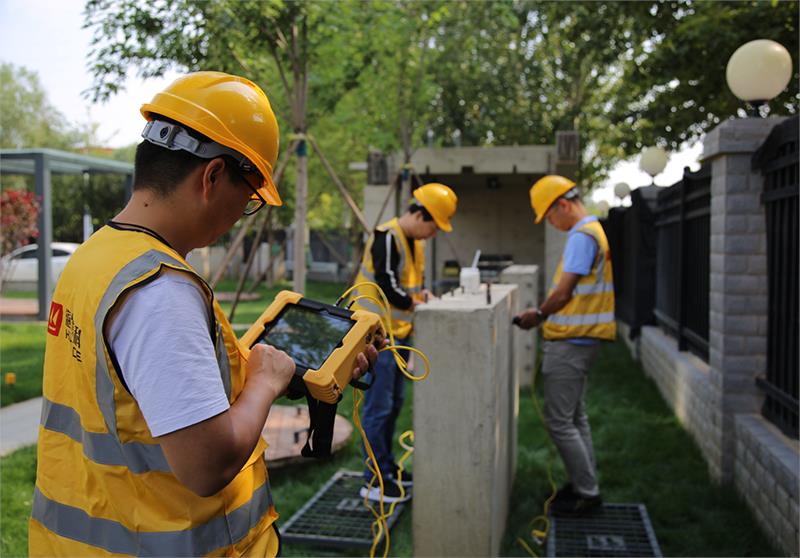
<point>366,359</point>
<point>272,366</point>
<point>528,319</point>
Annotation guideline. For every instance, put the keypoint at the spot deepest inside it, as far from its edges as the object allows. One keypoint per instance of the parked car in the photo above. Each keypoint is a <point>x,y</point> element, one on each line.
<point>22,265</point>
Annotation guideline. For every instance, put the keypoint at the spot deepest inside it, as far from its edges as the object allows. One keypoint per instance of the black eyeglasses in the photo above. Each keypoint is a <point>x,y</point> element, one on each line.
<point>255,202</point>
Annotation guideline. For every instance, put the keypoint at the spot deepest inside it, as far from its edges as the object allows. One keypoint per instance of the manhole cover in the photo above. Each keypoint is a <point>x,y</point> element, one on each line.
<point>335,516</point>
<point>614,530</point>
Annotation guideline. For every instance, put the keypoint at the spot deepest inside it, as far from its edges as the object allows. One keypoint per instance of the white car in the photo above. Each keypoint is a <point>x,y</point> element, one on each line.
<point>22,265</point>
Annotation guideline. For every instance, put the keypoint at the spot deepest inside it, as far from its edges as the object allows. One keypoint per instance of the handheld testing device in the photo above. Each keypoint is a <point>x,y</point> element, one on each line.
<point>324,341</point>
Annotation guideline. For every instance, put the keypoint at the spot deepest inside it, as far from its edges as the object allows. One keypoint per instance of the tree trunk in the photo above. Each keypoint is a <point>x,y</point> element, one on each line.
<point>301,193</point>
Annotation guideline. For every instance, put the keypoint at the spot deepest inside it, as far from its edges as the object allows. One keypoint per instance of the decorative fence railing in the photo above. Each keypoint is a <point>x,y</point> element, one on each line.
<point>778,161</point>
<point>632,241</point>
<point>683,231</point>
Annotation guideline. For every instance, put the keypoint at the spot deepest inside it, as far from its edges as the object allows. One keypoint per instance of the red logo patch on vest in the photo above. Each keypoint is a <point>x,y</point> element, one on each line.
<point>55,318</point>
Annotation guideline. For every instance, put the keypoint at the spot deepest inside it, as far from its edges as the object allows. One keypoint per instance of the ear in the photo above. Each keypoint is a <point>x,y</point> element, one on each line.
<point>211,175</point>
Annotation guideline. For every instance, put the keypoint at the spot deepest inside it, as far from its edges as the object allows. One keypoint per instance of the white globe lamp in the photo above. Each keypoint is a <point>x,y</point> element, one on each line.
<point>758,71</point>
<point>603,207</point>
<point>621,190</point>
<point>652,161</point>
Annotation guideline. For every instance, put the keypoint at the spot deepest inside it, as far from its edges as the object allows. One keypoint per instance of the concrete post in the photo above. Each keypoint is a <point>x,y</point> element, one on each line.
<point>464,424</point>
<point>738,297</point>
<point>526,278</point>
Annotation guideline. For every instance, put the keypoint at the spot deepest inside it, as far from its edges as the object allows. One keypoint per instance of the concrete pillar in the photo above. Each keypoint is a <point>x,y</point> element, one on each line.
<point>554,241</point>
<point>738,297</point>
<point>464,424</point>
<point>526,278</point>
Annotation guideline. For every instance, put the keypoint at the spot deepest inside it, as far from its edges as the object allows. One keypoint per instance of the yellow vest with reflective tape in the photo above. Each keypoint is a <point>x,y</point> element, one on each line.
<point>103,484</point>
<point>590,312</point>
<point>411,271</point>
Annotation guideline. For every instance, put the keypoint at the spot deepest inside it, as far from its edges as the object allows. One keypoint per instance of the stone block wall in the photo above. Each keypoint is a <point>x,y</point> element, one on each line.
<point>684,382</point>
<point>765,473</point>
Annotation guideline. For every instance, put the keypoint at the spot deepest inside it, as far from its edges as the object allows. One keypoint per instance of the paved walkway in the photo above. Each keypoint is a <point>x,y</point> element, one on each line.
<point>19,425</point>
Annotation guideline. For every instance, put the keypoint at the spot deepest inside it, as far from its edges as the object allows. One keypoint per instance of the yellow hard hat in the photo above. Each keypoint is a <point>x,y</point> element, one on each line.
<point>547,190</point>
<point>232,111</point>
<point>440,201</point>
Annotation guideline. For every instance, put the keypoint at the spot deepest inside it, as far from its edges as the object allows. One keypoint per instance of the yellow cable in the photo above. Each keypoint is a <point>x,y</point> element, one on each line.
<point>539,535</point>
<point>380,525</point>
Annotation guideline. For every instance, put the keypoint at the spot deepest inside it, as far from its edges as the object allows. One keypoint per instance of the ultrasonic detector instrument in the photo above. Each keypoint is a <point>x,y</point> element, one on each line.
<point>322,339</point>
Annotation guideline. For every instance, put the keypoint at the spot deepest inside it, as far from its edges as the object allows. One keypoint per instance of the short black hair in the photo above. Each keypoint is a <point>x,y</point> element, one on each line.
<point>160,169</point>
<point>415,207</point>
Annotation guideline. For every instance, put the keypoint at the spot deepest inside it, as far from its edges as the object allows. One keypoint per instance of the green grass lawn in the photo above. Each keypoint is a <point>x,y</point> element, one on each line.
<point>21,352</point>
<point>643,456</point>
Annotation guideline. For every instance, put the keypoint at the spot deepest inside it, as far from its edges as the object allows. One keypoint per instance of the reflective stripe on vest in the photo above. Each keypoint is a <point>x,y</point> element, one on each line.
<point>582,319</point>
<point>103,448</point>
<point>74,523</point>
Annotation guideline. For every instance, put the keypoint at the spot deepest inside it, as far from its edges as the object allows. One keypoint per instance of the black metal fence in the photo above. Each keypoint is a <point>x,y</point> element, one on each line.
<point>778,161</point>
<point>632,240</point>
<point>683,232</point>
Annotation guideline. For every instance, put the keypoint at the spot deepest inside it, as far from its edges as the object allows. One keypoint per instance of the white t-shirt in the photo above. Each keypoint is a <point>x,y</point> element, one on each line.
<point>161,339</point>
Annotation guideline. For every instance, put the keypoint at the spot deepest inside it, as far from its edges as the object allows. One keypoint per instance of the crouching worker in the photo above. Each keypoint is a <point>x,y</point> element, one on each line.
<point>576,316</point>
<point>394,259</point>
<point>150,441</point>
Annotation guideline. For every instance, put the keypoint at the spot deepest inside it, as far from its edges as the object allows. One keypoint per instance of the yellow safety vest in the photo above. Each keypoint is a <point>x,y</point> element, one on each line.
<point>590,312</point>
<point>411,271</point>
<point>103,484</point>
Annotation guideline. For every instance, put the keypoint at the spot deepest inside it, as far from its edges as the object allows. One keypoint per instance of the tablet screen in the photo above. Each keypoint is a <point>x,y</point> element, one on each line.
<point>308,336</point>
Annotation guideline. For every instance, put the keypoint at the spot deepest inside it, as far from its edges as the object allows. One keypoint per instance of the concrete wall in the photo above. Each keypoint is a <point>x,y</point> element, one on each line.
<point>554,241</point>
<point>526,278</point>
<point>496,221</point>
<point>464,424</point>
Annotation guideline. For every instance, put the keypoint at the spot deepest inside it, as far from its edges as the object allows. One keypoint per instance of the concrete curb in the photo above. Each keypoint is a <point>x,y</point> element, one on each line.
<point>19,425</point>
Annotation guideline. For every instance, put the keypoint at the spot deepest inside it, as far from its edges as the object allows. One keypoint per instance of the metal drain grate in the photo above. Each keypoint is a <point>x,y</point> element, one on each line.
<point>335,516</point>
<point>615,530</point>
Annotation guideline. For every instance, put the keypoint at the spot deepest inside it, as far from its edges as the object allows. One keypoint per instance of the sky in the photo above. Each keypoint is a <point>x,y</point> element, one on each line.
<point>46,36</point>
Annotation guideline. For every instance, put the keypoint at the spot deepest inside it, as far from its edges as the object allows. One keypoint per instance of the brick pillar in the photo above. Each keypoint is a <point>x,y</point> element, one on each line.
<point>738,297</point>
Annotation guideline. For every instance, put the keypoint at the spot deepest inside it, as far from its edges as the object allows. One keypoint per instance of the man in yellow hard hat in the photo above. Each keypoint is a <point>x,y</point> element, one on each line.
<point>150,441</point>
<point>576,316</point>
<point>394,259</point>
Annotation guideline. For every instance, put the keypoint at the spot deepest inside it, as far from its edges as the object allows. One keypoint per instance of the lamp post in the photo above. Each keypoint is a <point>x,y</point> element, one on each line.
<point>621,190</point>
<point>758,71</point>
<point>652,161</point>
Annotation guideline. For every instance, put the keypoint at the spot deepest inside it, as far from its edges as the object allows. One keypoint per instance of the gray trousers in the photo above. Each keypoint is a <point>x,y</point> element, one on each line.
<point>564,371</point>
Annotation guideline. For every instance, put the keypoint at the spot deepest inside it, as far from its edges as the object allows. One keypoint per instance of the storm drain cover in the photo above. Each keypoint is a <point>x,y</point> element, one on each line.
<point>335,516</point>
<point>614,530</point>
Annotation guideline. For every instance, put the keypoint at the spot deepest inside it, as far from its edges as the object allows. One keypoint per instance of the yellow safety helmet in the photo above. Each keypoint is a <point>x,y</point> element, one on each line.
<point>440,201</point>
<point>546,191</point>
<point>231,110</point>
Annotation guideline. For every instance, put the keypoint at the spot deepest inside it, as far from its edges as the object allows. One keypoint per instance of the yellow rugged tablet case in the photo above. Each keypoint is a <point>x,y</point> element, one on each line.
<point>327,383</point>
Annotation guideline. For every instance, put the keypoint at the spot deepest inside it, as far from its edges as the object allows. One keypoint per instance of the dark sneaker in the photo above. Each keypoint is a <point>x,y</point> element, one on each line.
<point>576,506</point>
<point>565,493</point>
<point>391,492</point>
<point>407,479</point>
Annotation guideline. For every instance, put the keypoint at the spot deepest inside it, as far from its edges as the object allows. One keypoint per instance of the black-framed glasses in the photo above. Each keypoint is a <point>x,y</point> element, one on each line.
<point>255,202</point>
